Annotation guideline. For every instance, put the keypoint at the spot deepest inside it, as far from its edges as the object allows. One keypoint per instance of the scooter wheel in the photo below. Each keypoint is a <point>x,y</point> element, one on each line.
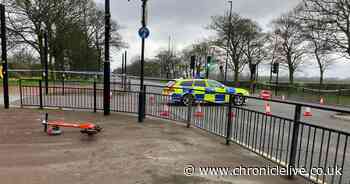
<point>53,131</point>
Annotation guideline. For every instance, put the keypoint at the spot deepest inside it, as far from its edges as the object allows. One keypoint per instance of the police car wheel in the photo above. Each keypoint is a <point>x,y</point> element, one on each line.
<point>239,100</point>
<point>187,99</point>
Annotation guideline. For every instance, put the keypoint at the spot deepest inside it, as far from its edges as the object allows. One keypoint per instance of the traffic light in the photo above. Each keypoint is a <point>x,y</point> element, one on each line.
<point>193,62</point>
<point>275,67</point>
<point>208,61</point>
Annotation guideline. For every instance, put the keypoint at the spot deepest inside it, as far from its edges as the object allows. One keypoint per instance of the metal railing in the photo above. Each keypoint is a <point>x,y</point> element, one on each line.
<point>284,139</point>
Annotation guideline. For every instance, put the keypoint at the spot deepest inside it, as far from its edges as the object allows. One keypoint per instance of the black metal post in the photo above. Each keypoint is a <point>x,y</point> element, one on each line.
<point>63,78</point>
<point>125,64</point>
<point>295,137</point>
<point>189,113</point>
<point>229,121</point>
<point>207,68</point>
<point>46,122</point>
<point>142,91</point>
<point>41,94</point>
<point>123,72</point>
<point>4,57</point>
<point>106,84</point>
<point>277,78</point>
<point>144,102</point>
<point>20,91</point>
<point>271,72</point>
<point>46,67</point>
<point>95,97</point>
<point>125,76</point>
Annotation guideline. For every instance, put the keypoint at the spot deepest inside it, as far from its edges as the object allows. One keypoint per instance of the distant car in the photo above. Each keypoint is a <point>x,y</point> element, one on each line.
<point>203,90</point>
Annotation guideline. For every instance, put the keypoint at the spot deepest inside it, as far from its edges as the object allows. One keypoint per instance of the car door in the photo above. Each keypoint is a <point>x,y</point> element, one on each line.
<point>199,90</point>
<point>220,90</point>
<point>209,93</point>
<point>186,87</point>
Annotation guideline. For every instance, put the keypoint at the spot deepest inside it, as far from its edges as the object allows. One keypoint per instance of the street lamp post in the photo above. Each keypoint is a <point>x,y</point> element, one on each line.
<point>228,42</point>
<point>46,63</point>
<point>4,57</point>
<point>106,74</point>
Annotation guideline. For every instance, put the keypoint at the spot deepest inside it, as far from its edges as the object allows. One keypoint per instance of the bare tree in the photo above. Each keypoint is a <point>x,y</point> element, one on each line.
<point>60,20</point>
<point>96,30</point>
<point>186,54</point>
<point>332,17</point>
<point>27,19</point>
<point>290,45</point>
<point>232,37</point>
<point>168,62</point>
<point>254,48</point>
<point>316,35</point>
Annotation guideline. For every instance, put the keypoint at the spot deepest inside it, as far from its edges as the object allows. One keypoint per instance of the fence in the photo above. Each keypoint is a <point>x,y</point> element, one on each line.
<point>340,97</point>
<point>286,141</point>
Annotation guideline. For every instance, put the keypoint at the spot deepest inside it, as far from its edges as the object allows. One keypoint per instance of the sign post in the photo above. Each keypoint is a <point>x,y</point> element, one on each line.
<point>4,71</point>
<point>143,33</point>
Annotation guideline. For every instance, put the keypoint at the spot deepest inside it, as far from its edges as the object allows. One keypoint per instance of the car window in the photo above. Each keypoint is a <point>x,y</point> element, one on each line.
<point>170,84</point>
<point>215,84</point>
<point>186,83</point>
<point>199,83</point>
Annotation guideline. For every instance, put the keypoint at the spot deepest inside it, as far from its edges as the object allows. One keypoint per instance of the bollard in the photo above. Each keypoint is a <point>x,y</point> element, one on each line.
<point>41,94</point>
<point>46,122</point>
<point>20,92</point>
<point>95,100</point>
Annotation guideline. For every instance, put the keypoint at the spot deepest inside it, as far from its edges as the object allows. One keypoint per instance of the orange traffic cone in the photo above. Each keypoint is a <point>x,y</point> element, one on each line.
<point>308,113</point>
<point>322,101</point>
<point>268,109</point>
<point>232,115</point>
<point>166,111</point>
<point>152,100</point>
<point>199,113</point>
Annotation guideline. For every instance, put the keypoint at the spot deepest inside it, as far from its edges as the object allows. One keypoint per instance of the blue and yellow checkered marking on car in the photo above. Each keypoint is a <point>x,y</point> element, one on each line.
<point>213,91</point>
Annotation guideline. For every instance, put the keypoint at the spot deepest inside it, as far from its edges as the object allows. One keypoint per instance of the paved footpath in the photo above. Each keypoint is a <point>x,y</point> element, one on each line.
<point>125,152</point>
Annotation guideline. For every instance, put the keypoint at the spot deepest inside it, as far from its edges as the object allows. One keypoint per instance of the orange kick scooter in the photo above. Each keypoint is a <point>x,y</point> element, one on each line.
<point>54,127</point>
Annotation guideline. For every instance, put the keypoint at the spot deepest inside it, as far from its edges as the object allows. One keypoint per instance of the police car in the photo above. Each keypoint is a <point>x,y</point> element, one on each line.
<point>203,90</point>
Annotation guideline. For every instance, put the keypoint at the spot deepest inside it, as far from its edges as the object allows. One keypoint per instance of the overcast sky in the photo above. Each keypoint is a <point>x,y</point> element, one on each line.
<point>185,21</point>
